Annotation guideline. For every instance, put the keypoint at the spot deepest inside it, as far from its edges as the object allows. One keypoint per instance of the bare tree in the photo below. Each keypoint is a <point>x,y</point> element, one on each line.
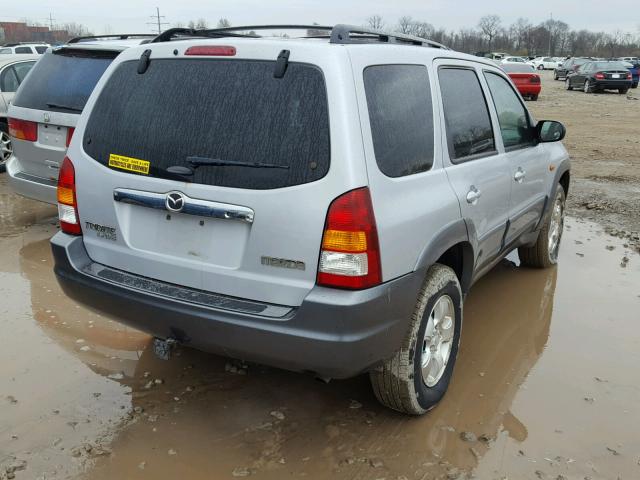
<point>375,22</point>
<point>224,23</point>
<point>202,24</point>
<point>490,26</point>
<point>405,24</point>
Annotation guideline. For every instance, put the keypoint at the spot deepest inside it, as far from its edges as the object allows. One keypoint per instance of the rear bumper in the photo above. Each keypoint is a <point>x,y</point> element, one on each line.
<point>533,89</point>
<point>30,186</point>
<point>612,84</point>
<point>334,333</point>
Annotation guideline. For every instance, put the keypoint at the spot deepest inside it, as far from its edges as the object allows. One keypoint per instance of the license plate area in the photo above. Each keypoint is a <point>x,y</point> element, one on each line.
<point>615,75</point>
<point>52,136</point>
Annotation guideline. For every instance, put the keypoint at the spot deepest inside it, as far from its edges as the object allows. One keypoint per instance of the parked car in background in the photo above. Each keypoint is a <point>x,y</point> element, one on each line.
<point>629,59</point>
<point>545,63</point>
<point>323,213</point>
<point>513,60</point>
<point>568,66</point>
<point>24,49</point>
<point>634,68</point>
<point>13,70</point>
<point>597,76</point>
<point>47,106</point>
<point>525,78</point>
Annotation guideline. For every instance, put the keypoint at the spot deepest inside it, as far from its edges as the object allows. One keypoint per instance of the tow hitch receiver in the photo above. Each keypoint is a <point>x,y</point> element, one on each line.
<point>163,348</point>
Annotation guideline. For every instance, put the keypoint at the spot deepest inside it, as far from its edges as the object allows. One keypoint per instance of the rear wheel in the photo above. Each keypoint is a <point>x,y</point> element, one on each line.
<point>416,378</point>
<point>555,75</point>
<point>544,253</point>
<point>567,84</point>
<point>5,147</point>
<point>623,90</point>
<point>540,67</point>
<point>534,98</point>
<point>635,85</point>
<point>587,87</point>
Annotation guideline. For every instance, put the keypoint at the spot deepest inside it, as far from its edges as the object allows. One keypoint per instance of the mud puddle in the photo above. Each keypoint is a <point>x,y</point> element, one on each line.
<point>546,385</point>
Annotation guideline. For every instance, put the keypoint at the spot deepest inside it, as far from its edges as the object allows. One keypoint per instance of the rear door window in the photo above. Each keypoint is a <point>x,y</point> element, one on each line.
<point>226,110</point>
<point>469,129</point>
<point>41,50</point>
<point>22,69</point>
<point>401,117</point>
<point>63,80</point>
<point>9,80</point>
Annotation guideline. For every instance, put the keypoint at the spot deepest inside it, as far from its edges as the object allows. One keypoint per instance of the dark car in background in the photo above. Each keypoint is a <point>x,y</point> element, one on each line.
<point>634,68</point>
<point>568,66</point>
<point>597,76</point>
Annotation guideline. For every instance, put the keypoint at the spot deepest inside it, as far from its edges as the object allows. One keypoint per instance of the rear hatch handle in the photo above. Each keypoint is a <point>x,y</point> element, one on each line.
<point>178,202</point>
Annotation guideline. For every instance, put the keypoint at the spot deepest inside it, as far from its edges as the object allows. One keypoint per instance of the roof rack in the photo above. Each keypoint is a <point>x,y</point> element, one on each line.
<point>338,34</point>
<point>124,36</point>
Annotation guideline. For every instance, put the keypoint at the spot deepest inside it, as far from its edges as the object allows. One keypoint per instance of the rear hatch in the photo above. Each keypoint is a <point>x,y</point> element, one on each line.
<point>52,98</point>
<point>250,229</point>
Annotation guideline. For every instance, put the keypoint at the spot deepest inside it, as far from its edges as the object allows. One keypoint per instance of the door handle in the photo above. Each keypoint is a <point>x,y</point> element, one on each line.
<point>519,175</point>
<point>473,195</point>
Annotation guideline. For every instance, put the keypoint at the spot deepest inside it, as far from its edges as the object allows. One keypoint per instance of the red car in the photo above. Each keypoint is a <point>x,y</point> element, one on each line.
<point>525,78</point>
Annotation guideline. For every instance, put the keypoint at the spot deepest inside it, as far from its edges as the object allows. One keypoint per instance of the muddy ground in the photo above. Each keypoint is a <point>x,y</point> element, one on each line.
<point>546,385</point>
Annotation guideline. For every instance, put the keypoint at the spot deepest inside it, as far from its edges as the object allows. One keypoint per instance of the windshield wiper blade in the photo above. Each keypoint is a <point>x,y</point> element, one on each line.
<point>64,107</point>
<point>216,162</point>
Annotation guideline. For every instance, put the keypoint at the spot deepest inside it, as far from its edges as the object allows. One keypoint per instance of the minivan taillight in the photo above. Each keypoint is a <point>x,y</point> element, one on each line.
<point>70,132</point>
<point>350,254</point>
<point>23,129</point>
<point>67,205</point>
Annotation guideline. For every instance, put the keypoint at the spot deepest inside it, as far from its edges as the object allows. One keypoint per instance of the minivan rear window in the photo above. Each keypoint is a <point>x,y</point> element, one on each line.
<point>63,80</point>
<point>219,110</point>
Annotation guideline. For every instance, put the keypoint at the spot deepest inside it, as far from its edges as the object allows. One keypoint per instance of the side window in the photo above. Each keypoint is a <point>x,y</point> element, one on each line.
<point>469,130</point>
<point>23,50</point>
<point>5,51</point>
<point>401,117</point>
<point>22,69</point>
<point>8,80</point>
<point>512,116</point>
<point>41,50</point>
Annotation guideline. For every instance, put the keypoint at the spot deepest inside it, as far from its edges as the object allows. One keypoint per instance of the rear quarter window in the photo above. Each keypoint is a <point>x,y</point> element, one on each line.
<point>63,80</point>
<point>401,118</point>
<point>230,110</point>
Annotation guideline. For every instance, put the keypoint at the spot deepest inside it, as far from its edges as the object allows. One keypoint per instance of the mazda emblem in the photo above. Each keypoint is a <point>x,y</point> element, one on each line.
<point>174,202</point>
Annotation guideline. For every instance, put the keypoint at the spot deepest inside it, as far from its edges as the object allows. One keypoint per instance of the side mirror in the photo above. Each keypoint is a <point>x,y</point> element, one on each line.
<point>550,131</point>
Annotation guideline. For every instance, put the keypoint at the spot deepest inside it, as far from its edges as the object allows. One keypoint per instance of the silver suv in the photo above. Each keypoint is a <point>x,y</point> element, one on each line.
<point>317,204</point>
<point>47,106</point>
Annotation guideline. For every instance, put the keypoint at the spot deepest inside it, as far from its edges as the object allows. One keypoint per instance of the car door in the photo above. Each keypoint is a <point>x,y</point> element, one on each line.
<point>577,79</point>
<point>524,155</point>
<point>479,176</point>
<point>11,77</point>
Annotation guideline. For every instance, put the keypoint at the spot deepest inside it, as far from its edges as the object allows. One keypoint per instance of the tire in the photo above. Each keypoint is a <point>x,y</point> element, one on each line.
<point>399,383</point>
<point>635,85</point>
<point>544,253</point>
<point>623,91</point>
<point>555,75</point>
<point>5,146</point>
<point>587,87</point>
<point>534,98</point>
<point>540,67</point>
<point>567,84</point>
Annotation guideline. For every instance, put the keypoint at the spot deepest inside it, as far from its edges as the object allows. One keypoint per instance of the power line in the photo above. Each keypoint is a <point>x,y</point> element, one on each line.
<point>158,21</point>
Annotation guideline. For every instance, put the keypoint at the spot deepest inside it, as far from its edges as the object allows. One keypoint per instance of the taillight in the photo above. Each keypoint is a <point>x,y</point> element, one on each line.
<point>215,51</point>
<point>23,130</point>
<point>629,77</point>
<point>67,205</point>
<point>350,255</point>
<point>534,79</point>
<point>599,76</point>
<point>70,131</point>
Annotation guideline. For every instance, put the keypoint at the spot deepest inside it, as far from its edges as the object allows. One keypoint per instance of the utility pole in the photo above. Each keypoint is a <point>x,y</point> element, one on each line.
<point>158,21</point>
<point>550,25</point>
<point>50,21</point>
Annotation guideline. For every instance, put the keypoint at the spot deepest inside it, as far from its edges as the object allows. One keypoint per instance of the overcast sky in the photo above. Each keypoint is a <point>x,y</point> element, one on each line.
<point>121,16</point>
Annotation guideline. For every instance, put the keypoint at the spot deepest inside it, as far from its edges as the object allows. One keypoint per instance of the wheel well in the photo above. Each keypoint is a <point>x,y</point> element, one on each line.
<point>564,181</point>
<point>460,259</point>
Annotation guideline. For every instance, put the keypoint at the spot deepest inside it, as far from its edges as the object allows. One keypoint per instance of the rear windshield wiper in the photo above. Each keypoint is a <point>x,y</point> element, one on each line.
<point>197,162</point>
<point>64,107</point>
<point>216,162</point>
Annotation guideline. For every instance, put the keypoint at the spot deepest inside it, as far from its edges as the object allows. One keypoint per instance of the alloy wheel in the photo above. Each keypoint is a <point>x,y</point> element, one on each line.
<point>5,147</point>
<point>438,340</point>
<point>556,226</point>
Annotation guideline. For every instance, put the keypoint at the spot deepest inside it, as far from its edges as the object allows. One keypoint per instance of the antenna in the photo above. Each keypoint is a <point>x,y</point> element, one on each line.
<point>158,21</point>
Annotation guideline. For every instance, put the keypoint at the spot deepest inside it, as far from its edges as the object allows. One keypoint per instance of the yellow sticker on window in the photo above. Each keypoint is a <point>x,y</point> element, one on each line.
<point>128,163</point>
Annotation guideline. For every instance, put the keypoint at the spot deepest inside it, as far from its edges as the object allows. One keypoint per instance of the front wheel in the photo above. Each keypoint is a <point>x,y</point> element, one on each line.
<point>544,253</point>
<point>5,147</point>
<point>567,84</point>
<point>416,378</point>
<point>540,67</point>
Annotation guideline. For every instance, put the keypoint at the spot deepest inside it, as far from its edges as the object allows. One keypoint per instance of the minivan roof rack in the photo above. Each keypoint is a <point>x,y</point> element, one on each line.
<point>124,36</point>
<point>338,34</point>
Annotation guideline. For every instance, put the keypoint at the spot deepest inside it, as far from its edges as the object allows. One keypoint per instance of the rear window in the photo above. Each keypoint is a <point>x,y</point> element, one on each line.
<point>517,68</point>
<point>610,66</point>
<point>401,117</point>
<point>227,110</point>
<point>63,80</point>
<point>4,51</point>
